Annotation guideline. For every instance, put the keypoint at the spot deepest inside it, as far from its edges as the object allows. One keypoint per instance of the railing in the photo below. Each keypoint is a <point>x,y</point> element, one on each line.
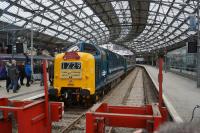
<point>183,64</point>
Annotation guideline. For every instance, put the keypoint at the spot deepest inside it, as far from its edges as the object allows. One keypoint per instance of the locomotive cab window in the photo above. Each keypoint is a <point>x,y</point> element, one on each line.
<point>73,48</point>
<point>90,49</point>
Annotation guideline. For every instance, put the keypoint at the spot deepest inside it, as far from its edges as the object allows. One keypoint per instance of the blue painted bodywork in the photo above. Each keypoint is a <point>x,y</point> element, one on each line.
<point>108,65</point>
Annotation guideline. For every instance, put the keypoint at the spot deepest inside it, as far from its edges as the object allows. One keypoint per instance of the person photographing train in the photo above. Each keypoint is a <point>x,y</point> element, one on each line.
<point>28,71</point>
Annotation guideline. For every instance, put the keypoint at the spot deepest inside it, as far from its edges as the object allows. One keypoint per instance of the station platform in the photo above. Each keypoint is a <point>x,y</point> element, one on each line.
<point>180,94</point>
<point>24,93</point>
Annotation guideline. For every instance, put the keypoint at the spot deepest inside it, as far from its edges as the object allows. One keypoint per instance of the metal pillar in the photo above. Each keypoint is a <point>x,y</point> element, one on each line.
<point>13,42</point>
<point>160,80</point>
<point>165,62</point>
<point>32,43</point>
<point>46,96</point>
<point>198,46</point>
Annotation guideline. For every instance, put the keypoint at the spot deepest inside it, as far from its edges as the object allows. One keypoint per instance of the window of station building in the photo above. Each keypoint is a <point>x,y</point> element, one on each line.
<point>73,48</point>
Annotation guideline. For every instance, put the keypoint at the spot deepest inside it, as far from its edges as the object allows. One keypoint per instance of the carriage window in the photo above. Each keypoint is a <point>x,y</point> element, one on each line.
<point>90,49</point>
<point>73,48</point>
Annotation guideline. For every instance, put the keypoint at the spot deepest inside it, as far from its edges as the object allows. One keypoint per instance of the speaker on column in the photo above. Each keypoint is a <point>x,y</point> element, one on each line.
<point>1,48</point>
<point>192,47</point>
<point>19,48</point>
<point>9,50</point>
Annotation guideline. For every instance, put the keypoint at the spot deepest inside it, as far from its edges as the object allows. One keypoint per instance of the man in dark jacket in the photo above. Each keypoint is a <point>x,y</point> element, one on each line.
<point>21,73</point>
<point>13,74</point>
<point>51,73</point>
<point>41,73</point>
<point>3,72</point>
<point>8,81</point>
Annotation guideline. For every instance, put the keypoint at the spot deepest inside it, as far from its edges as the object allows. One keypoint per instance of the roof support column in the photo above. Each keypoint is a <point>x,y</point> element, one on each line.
<point>198,46</point>
<point>32,72</point>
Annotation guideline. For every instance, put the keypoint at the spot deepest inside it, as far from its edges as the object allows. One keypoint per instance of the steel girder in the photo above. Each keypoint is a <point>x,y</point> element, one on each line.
<point>101,8</point>
<point>139,15</point>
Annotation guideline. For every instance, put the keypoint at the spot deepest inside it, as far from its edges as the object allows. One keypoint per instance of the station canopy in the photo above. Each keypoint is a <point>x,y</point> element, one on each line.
<point>139,25</point>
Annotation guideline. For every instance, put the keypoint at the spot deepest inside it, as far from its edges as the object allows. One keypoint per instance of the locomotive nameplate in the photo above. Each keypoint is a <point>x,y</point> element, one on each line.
<point>71,74</point>
<point>71,70</point>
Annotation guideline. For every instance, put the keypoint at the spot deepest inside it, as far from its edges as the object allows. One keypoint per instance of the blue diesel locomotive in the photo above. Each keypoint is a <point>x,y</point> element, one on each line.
<point>85,71</point>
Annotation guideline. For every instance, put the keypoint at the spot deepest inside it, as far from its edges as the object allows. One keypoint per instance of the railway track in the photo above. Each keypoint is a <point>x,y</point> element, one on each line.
<point>74,119</point>
<point>140,93</point>
<point>70,118</point>
<point>75,122</point>
<point>134,92</point>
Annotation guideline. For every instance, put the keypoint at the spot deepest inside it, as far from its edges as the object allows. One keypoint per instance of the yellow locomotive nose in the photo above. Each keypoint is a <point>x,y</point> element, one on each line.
<point>74,74</point>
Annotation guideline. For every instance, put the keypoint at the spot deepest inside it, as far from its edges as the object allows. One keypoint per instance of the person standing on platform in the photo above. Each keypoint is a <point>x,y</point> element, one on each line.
<point>28,73</point>
<point>21,73</point>
<point>8,81</point>
<point>27,68</point>
<point>3,72</point>
<point>41,73</point>
<point>51,73</point>
<point>13,74</point>
<point>27,59</point>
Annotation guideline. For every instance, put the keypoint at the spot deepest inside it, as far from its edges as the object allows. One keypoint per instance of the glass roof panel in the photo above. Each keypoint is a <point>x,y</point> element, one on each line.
<point>81,24</point>
<point>20,22</point>
<point>24,14</point>
<point>37,19</point>
<point>70,17</point>
<point>96,19</point>
<point>54,7</point>
<point>50,32</point>
<point>72,40</point>
<point>13,9</point>
<point>45,2</point>
<point>45,22</point>
<point>8,18</point>
<point>78,2</point>
<point>62,36</point>
<point>3,5</point>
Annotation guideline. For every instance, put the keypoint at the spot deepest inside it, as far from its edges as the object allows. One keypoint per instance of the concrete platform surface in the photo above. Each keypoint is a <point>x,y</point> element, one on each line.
<point>181,94</point>
<point>24,93</point>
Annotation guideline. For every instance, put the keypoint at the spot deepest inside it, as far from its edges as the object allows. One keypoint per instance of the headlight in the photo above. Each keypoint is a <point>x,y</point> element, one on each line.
<point>65,95</point>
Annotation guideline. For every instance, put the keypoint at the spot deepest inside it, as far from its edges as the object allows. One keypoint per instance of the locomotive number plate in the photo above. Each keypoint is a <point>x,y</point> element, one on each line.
<point>71,70</point>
